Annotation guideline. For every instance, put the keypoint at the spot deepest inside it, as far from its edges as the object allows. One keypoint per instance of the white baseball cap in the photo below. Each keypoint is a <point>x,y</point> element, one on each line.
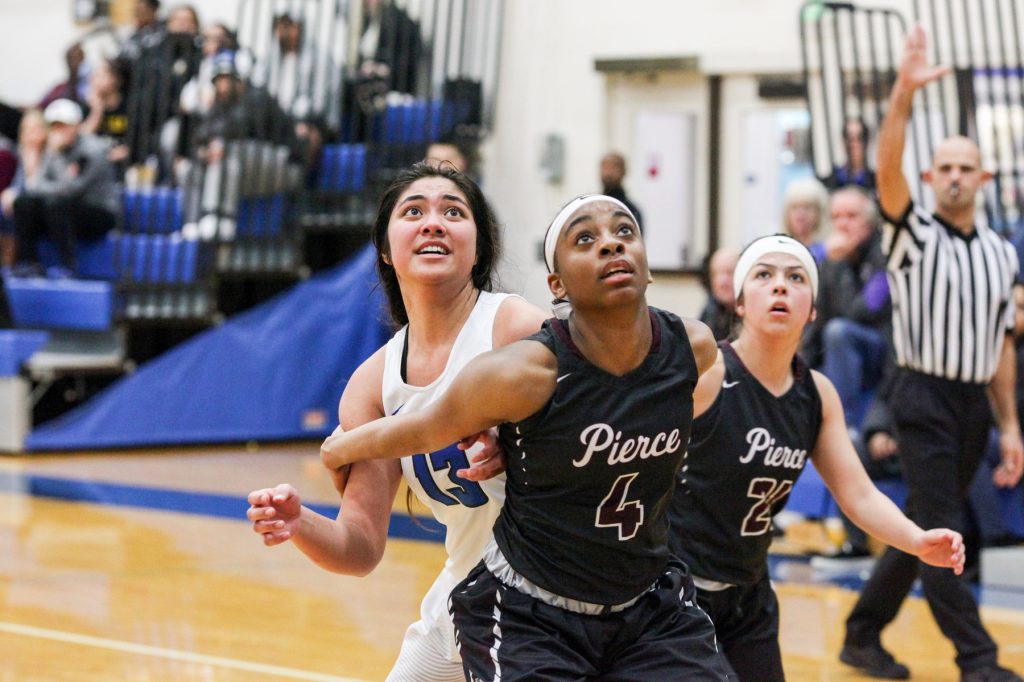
<point>63,111</point>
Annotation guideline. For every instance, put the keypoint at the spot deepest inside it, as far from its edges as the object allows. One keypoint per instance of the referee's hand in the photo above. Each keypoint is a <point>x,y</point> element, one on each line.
<point>1008,473</point>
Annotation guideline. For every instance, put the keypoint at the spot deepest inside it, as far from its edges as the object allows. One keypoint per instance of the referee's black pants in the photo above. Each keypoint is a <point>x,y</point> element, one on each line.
<point>942,428</point>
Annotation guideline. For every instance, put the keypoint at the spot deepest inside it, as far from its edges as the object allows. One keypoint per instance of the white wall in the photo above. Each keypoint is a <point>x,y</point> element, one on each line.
<point>547,85</point>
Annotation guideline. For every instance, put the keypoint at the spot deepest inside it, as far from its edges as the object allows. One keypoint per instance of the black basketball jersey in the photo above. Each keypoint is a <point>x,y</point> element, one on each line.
<point>591,474</point>
<point>745,453</point>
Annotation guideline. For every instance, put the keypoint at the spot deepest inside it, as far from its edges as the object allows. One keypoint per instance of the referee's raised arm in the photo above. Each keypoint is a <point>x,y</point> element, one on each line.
<point>893,190</point>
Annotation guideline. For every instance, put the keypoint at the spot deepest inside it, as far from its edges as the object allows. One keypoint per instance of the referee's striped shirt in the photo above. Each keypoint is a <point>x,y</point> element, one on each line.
<point>952,296</point>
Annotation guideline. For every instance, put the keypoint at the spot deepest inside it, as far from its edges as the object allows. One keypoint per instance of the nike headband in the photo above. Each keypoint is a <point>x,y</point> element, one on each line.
<point>776,243</point>
<point>555,228</point>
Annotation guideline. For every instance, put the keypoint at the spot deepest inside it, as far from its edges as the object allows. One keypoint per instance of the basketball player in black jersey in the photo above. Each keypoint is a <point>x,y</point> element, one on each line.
<point>594,414</point>
<point>759,413</point>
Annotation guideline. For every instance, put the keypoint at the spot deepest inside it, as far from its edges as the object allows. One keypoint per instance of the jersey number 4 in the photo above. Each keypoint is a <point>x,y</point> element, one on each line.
<point>466,493</point>
<point>767,491</point>
<point>616,511</point>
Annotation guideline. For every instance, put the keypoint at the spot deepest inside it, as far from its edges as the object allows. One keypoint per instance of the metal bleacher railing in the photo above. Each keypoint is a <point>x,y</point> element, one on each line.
<point>850,56</point>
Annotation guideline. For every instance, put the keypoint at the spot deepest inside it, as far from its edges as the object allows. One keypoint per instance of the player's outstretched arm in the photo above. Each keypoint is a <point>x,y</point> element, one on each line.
<point>351,544</point>
<point>354,542</point>
<point>859,499</point>
<point>274,513</point>
<point>503,385</point>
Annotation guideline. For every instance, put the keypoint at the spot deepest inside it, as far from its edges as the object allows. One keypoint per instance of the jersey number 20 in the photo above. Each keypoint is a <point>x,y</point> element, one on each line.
<point>466,493</point>
<point>767,491</point>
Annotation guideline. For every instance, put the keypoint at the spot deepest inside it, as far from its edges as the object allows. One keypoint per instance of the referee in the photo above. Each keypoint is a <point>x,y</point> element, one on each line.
<point>953,314</point>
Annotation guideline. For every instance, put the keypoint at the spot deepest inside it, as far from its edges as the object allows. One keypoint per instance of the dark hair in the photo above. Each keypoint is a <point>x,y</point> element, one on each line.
<point>467,146</point>
<point>488,245</point>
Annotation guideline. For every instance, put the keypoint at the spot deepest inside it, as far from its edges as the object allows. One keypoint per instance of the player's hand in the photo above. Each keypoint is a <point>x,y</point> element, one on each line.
<point>943,548</point>
<point>275,513</point>
<point>486,461</point>
<point>339,476</point>
<point>915,70</point>
<point>1008,473</point>
<point>331,453</point>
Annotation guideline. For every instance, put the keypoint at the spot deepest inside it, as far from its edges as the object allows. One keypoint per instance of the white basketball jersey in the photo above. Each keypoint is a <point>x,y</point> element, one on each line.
<point>467,508</point>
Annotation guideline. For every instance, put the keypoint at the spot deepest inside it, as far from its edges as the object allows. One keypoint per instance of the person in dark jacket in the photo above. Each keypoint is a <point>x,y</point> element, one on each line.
<point>613,172</point>
<point>850,338</point>
<point>73,196</point>
<point>719,311</point>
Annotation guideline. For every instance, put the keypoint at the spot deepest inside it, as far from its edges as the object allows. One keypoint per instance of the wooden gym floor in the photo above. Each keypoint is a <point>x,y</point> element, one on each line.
<point>141,566</point>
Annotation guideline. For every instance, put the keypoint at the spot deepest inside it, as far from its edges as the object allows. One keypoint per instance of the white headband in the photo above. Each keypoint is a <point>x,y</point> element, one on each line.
<point>776,243</point>
<point>555,228</point>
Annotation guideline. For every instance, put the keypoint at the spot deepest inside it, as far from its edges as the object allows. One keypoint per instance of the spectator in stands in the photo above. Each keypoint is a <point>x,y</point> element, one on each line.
<point>197,95</point>
<point>8,170</point>
<point>390,54</point>
<point>613,172</point>
<point>148,33</point>
<point>298,73</point>
<point>287,73</point>
<point>805,214</point>
<point>460,152</point>
<point>73,196</point>
<point>6,319</point>
<point>30,150</point>
<point>719,312</point>
<point>183,20</point>
<point>107,115</point>
<point>391,47</point>
<point>74,87</point>
<point>855,171</point>
<point>849,340</point>
<point>182,48</point>
<point>178,57</point>
<point>245,144</point>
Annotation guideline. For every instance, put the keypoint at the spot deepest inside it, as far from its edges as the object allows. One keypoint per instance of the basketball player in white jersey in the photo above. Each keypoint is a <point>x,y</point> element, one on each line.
<point>438,244</point>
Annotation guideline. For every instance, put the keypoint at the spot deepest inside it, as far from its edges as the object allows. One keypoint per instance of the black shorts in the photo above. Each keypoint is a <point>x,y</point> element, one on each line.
<point>506,635</point>
<point>746,620</point>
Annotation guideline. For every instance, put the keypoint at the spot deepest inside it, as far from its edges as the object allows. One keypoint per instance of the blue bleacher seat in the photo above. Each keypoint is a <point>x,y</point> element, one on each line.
<point>260,216</point>
<point>1011,501</point>
<point>95,257</point>
<point>158,259</point>
<point>811,498</point>
<point>158,210</point>
<point>357,178</point>
<point>809,495</point>
<point>16,346</point>
<point>343,167</point>
<point>38,303</point>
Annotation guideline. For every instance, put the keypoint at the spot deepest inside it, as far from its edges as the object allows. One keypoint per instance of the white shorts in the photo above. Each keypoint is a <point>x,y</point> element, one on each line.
<point>425,657</point>
<point>429,653</point>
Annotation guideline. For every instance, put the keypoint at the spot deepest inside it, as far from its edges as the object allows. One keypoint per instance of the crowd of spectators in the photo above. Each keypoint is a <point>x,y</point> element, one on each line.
<point>185,104</point>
